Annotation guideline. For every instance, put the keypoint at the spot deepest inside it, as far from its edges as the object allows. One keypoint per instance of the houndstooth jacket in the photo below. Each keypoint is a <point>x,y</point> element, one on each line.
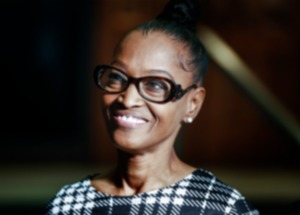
<point>199,193</point>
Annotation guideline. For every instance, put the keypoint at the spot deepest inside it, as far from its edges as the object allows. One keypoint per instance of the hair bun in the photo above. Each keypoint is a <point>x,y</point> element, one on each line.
<point>183,12</point>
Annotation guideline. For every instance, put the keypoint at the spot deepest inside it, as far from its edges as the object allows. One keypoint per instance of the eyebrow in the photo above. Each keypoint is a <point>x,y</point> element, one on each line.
<point>159,71</point>
<point>151,71</point>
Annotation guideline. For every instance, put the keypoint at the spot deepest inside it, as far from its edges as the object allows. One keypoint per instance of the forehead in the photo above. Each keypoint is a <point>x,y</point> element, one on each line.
<point>154,50</point>
<point>156,39</point>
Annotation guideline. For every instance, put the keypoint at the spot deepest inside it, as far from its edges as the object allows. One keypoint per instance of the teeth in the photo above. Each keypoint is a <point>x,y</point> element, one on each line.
<point>131,119</point>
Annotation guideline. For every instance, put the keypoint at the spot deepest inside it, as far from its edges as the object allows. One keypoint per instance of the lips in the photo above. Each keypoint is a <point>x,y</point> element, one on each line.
<point>129,120</point>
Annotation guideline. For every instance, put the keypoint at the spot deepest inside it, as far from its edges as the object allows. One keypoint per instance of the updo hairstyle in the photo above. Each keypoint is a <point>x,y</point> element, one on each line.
<point>179,20</point>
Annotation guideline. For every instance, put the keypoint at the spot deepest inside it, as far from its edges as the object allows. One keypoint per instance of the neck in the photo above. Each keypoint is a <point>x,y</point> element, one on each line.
<point>144,172</point>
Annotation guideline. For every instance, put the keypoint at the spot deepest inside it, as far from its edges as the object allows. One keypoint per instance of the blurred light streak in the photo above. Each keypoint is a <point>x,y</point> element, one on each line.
<point>226,58</point>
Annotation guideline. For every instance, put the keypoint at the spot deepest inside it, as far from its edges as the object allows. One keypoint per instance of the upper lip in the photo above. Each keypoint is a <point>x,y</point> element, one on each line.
<point>127,113</point>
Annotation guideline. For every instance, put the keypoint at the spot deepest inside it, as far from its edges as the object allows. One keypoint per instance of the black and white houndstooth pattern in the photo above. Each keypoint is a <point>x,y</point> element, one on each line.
<point>199,193</point>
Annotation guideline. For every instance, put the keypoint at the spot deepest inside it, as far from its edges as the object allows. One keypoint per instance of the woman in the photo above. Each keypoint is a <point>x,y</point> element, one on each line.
<point>151,88</point>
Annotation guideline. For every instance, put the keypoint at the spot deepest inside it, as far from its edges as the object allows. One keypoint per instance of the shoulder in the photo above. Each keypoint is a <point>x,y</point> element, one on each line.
<point>76,187</point>
<point>212,184</point>
<point>216,195</point>
<point>78,194</point>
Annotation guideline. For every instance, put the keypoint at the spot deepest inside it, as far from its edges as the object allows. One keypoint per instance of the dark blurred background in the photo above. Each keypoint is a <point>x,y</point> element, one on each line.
<point>51,126</point>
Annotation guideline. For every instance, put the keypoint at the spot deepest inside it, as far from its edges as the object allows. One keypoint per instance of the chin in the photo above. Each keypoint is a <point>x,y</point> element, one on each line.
<point>128,143</point>
<point>131,149</point>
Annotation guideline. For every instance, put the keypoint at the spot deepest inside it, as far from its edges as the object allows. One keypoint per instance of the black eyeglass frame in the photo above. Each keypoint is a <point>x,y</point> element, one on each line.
<point>176,90</point>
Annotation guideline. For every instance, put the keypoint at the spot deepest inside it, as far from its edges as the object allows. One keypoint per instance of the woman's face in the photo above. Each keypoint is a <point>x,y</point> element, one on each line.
<point>135,124</point>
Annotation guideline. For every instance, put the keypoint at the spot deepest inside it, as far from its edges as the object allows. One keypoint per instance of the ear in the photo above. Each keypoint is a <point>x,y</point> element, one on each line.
<point>194,104</point>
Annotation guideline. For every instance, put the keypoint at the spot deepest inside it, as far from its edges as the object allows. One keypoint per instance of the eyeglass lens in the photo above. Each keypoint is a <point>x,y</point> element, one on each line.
<point>155,89</point>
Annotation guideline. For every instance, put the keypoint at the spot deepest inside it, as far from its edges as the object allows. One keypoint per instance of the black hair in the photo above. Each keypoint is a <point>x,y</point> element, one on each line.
<point>179,20</point>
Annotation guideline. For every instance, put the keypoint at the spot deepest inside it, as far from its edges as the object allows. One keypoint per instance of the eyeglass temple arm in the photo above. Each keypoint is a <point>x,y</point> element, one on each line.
<point>180,92</point>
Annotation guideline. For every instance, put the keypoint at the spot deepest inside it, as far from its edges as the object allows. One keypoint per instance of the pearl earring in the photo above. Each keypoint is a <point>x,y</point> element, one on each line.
<point>189,120</point>
<point>120,98</point>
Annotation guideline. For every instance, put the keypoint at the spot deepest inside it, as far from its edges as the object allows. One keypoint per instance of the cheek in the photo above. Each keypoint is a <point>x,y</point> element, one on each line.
<point>171,114</point>
<point>108,99</point>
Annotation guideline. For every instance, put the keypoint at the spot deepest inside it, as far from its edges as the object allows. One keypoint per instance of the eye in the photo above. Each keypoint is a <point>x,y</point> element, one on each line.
<point>156,85</point>
<point>113,80</point>
<point>155,89</point>
<point>115,77</point>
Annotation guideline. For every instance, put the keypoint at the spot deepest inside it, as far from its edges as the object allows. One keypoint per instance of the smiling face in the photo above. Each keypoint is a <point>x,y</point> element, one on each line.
<point>135,124</point>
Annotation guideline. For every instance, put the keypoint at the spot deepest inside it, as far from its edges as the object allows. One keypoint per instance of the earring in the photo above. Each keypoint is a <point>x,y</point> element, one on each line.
<point>189,120</point>
<point>120,98</point>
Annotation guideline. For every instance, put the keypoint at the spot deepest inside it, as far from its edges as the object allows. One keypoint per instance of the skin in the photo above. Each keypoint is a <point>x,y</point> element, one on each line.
<point>146,156</point>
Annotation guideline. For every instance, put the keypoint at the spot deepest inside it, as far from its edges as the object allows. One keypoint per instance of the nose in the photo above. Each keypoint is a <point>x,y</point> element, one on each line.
<point>131,97</point>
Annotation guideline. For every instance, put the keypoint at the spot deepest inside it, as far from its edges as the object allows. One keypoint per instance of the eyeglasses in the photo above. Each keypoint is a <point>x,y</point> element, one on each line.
<point>152,88</point>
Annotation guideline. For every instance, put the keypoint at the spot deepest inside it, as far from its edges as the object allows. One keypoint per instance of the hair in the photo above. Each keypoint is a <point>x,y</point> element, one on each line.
<point>179,20</point>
